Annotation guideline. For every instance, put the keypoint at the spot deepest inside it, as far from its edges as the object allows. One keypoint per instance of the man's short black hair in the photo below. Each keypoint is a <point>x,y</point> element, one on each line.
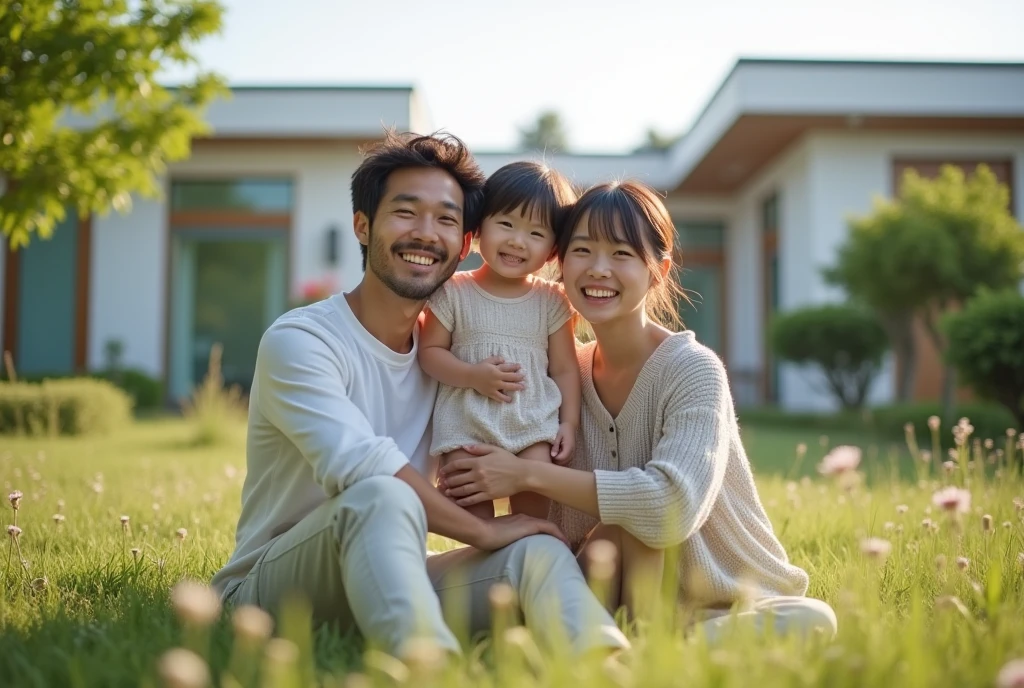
<point>401,151</point>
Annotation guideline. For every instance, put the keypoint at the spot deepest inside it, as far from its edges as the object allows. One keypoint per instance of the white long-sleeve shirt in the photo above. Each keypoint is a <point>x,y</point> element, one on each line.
<point>330,405</point>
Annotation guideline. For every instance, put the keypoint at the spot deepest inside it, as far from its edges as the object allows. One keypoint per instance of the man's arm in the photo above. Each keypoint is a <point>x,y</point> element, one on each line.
<point>301,391</point>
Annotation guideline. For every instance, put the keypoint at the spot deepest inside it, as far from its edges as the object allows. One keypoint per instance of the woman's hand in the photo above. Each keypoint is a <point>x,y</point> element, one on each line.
<point>492,473</point>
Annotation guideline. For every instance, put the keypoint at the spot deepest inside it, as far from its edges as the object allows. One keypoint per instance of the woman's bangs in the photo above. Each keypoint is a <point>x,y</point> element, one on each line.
<point>612,218</point>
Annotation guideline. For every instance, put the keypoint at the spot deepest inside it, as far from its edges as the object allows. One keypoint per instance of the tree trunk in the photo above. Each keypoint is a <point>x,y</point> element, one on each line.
<point>899,328</point>
<point>948,372</point>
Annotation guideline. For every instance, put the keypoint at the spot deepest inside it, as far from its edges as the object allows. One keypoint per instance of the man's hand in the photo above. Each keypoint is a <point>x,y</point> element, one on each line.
<point>564,444</point>
<point>494,378</point>
<point>504,530</point>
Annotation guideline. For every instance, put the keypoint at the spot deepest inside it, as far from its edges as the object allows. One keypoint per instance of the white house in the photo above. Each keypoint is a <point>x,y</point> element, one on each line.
<point>760,189</point>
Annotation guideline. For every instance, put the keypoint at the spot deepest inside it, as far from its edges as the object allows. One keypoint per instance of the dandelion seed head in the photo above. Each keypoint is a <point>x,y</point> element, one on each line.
<point>124,520</point>
<point>989,444</point>
<point>195,604</point>
<point>14,532</point>
<point>888,525</point>
<point>252,623</point>
<point>875,548</point>
<point>136,553</point>
<point>181,668</point>
<point>1011,432</point>
<point>934,422</point>
<point>181,533</point>
<point>58,519</point>
<point>962,563</point>
<point>902,509</point>
<point>15,499</point>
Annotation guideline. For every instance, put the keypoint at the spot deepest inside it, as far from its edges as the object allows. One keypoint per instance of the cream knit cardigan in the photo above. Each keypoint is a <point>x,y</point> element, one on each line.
<point>671,470</point>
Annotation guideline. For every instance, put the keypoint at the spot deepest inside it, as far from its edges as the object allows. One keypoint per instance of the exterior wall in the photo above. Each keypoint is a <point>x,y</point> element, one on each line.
<point>129,278</point>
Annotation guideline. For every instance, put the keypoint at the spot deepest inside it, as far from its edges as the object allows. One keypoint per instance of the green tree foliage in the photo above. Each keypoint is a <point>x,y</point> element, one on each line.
<point>846,343</point>
<point>986,345</point>
<point>928,251</point>
<point>546,134</point>
<point>83,121</point>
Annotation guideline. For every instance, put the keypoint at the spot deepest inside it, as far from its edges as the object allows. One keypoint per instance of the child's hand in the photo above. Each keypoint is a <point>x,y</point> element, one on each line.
<point>495,379</point>
<point>565,442</point>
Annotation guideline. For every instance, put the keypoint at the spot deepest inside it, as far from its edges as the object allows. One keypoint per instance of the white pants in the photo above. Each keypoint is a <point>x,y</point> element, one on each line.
<point>360,559</point>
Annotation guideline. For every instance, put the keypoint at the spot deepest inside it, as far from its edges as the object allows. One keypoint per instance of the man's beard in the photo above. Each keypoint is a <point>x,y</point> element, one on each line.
<point>408,288</point>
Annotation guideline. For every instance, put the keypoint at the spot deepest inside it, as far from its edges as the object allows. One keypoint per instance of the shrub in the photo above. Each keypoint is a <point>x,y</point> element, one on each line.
<point>845,342</point>
<point>78,406</point>
<point>986,345</point>
<point>146,392</point>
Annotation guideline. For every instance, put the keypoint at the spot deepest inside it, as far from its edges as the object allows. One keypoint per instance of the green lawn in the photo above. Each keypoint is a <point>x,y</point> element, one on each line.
<point>87,612</point>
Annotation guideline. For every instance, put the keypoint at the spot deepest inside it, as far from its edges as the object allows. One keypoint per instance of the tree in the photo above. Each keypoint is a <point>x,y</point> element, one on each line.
<point>546,134</point>
<point>986,345</point>
<point>655,141</point>
<point>929,251</point>
<point>845,342</point>
<point>95,61</point>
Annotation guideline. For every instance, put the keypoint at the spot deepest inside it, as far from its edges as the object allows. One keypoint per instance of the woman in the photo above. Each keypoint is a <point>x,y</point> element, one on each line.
<point>659,465</point>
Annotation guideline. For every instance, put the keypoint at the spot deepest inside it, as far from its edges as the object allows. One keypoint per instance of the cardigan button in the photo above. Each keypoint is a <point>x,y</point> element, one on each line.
<point>611,428</point>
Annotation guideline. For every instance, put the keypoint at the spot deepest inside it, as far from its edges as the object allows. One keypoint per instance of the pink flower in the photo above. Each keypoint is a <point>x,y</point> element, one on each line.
<point>953,499</point>
<point>934,422</point>
<point>15,499</point>
<point>842,459</point>
<point>14,532</point>
<point>875,548</point>
<point>1011,675</point>
<point>962,563</point>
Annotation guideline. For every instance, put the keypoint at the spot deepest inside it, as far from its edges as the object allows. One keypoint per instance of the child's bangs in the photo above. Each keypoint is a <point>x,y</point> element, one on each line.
<point>525,191</point>
<point>612,217</point>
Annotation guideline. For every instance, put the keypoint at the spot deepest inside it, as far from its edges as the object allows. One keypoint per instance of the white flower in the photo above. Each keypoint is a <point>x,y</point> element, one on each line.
<point>934,422</point>
<point>58,519</point>
<point>252,623</point>
<point>14,532</point>
<point>842,459</point>
<point>181,533</point>
<point>962,563</point>
<point>902,509</point>
<point>15,499</point>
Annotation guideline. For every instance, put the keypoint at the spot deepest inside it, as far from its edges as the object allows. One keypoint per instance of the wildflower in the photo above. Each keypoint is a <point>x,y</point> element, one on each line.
<point>940,562</point>
<point>948,466</point>
<point>801,449</point>
<point>908,428</point>
<point>502,596</point>
<point>926,456</point>
<point>989,444</point>
<point>902,509</point>
<point>1011,433</point>
<point>934,422</point>
<point>888,525</point>
<point>58,519</point>
<point>15,499</point>
<point>953,500</point>
<point>181,533</point>
<point>180,668</point>
<point>986,522</point>
<point>124,522</point>
<point>282,652</point>
<point>1011,675</point>
<point>962,563</point>
<point>195,604</point>
<point>252,623</point>
<point>876,548</point>
<point>1007,525</point>
<point>14,532</point>
<point>842,459</point>
<point>1018,504</point>
<point>136,553</point>
<point>926,523</point>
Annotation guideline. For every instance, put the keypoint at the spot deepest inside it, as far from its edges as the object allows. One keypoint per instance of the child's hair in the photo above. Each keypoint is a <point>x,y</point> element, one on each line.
<point>631,213</point>
<point>531,187</point>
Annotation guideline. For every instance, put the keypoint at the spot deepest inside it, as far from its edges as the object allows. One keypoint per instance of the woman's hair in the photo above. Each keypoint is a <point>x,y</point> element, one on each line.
<point>631,213</point>
<point>531,187</point>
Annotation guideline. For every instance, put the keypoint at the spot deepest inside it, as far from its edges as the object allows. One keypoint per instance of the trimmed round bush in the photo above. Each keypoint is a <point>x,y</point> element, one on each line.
<point>986,345</point>
<point>846,343</point>
<point>73,406</point>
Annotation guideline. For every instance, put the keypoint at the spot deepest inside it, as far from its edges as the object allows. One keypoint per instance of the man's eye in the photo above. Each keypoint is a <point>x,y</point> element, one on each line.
<point>403,211</point>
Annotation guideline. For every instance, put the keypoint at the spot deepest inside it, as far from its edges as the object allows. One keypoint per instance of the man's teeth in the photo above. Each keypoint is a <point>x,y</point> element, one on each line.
<point>599,293</point>
<point>419,260</point>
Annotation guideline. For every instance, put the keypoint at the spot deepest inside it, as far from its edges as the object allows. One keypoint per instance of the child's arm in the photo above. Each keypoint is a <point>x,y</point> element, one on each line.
<point>492,377</point>
<point>565,371</point>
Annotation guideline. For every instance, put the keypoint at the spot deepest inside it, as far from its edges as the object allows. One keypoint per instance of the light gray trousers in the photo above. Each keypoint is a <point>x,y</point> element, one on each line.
<point>360,559</point>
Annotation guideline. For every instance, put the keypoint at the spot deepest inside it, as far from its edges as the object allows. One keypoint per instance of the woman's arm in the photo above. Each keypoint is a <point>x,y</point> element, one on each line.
<point>492,377</point>
<point>494,473</point>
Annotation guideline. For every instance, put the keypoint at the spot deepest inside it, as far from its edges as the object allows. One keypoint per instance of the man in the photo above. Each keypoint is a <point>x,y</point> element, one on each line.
<point>335,503</point>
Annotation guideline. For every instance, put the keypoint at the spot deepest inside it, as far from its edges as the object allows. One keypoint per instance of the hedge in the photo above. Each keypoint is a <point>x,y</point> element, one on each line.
<point>147,392</point>
<point>81,406</point>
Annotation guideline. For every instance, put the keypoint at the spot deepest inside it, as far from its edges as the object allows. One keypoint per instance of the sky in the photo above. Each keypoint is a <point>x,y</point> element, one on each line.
<point>611,68</point>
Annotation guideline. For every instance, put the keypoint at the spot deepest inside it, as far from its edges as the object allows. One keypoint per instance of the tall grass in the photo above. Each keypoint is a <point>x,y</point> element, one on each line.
<point>86,599</point>
<point>214,408</point>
